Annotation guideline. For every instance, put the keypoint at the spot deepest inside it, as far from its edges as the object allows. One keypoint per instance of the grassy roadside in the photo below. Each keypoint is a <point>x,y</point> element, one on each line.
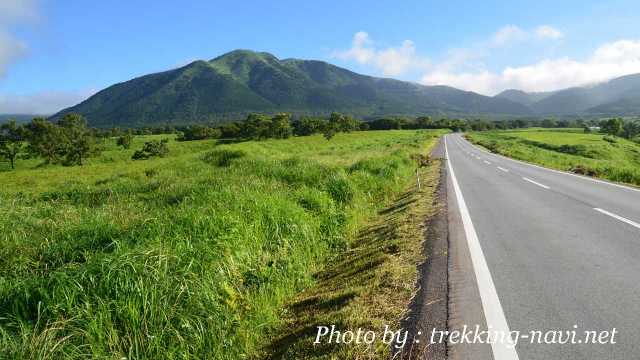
<point>368,286</point>
<point>596,155</point>
<point>189,256</point>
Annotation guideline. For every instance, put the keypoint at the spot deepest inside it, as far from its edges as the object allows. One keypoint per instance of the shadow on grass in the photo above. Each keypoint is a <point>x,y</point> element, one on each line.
<point>339,285</point>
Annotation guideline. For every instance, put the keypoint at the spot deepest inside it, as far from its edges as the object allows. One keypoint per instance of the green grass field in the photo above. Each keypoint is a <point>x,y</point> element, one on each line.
<point>597,155</point>
<point>189,256</point>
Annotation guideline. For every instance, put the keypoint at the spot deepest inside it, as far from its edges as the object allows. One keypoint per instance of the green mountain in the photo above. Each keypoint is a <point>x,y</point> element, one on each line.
<point>522,97</point>
<point>243,81</point>
<point>619,96</point>
<point>623,107</point>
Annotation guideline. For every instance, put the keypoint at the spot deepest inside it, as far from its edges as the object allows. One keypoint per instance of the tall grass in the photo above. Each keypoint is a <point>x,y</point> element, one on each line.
<point>591,154</point>
<point>190,256</point>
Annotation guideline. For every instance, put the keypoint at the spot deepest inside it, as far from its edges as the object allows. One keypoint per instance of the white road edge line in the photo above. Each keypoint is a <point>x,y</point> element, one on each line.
<point>503,349</point>
<point>536,183</point>
<point>618,217</point>
<point>554,170</point>
<point>503,169</point>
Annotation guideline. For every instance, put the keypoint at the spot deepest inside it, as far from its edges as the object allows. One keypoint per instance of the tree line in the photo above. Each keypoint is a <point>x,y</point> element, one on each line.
<point>279,126</point>
<point>258,126</point>
<point>70,141</point>
<point>629,129</point>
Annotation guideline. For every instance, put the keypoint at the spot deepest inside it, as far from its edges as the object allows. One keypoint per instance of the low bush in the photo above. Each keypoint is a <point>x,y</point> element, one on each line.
<point>151,149</point>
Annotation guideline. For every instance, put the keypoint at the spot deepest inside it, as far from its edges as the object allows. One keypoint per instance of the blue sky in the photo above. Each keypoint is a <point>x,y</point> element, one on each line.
<point>56,53</point>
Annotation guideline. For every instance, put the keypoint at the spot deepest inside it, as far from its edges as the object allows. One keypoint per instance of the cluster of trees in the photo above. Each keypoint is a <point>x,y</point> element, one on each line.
<point>118,132</point>
<point>629,129</point>
<point>426,122</point>
<point>69,141</point>
<point>199,132</point>
<point>279,126</point>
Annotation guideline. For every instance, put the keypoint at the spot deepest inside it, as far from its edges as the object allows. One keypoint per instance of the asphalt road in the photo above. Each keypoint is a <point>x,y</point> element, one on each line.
<point>559,250</point>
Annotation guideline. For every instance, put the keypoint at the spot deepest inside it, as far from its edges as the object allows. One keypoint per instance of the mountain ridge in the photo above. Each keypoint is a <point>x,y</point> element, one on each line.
<point>617,96</point>
<point>243,81</point>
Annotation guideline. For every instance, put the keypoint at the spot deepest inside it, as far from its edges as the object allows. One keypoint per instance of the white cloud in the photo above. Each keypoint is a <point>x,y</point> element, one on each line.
<point>465,68</point>
<point>398,60</point>
<point>391,61</point>
<point>549,32</point>
<point>13,12</point>
<point>45,103</point>
<point>610,60</point>
<point>508,34</point>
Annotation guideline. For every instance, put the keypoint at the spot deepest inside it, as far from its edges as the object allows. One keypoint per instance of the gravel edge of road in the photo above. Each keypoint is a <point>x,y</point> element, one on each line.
<point>429,308</point>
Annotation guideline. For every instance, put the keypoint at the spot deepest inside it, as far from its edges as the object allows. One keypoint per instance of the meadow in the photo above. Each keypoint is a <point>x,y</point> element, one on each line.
<point>591,154</point>
<point>189,256</point>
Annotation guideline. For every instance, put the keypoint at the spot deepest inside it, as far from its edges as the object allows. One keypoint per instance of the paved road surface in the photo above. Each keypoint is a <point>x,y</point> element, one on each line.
<point>560,250</point>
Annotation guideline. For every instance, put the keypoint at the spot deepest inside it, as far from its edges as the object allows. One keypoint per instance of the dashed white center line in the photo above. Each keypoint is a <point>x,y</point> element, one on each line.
<point>618,217</point>
<point>486,162</point>
<point>536,183</point>
<point>502,169</point>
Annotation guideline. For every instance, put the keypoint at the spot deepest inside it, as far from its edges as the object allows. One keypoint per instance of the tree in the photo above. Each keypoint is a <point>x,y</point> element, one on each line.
<point>199,132</point>
<point>424,122</point>
<point>612,126</point>
<point>256,126</point>
<point>308,126</point>
<point>45,140</point>
<point>386,124</point>
<point>344,123</point>
<point>571,124</point>
<point>520,123</point>
<point>280,127</point>
<point>12,139</point>
<point>231,130</point>
<point>548,123</point>
<point>631,129</point>
<point>329,132</point>
<point>125,140</point>
<point>80,143</point>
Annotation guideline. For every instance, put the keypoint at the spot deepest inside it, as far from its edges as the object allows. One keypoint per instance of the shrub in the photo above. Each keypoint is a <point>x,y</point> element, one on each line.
<point>151,149</point>
<point>125,140</point>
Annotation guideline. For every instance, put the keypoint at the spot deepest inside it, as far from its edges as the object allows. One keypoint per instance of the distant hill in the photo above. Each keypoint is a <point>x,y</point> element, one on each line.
<point>19,118</point>
<point>623,107</point>
<point>243,81</point>
<point>620,96</point>
<point>522,97</point>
